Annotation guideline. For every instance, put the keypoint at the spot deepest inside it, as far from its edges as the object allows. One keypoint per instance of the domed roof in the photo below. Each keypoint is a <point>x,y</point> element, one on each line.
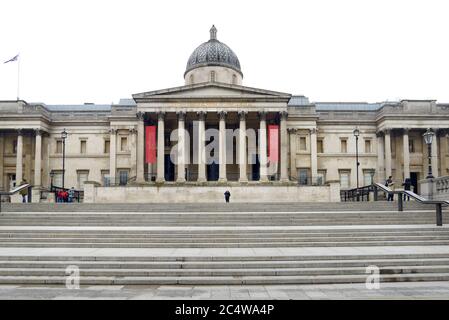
<point>213,53</point>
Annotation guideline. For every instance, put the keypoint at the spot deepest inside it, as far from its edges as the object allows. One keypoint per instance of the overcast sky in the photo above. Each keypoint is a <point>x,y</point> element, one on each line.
<point>100,51</point>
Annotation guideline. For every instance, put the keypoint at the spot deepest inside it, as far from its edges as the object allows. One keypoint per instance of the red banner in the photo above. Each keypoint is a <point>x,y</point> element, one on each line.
<point>150,144</point>
<point>273,143</point>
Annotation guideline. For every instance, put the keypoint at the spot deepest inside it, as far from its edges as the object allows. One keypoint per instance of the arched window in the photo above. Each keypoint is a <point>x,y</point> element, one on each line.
<point>234,79</point>
<point>212,76</point>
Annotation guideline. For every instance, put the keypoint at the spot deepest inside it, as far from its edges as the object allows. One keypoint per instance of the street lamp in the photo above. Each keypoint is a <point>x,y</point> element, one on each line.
<point>63,137</point>
<point>428,138</point>
<point>356,133</point>
<point>52,174</point>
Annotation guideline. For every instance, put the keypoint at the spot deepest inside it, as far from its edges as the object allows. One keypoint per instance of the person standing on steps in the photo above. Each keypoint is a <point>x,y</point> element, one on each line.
<point>227,195</point>
<point>71,194</point>
<point>24,192</point>
<point>407,186</point>
<point>390,184</point>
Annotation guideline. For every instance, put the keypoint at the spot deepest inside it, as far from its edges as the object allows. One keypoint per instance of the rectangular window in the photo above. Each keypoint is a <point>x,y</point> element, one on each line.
<point>344,179</point>
<point>302,144</point>
<point>57,178</point>
<point>368,176</point>
<point>107,146</point>
<point>319,146</point>
<point>321,177</point>
<point>83,146</point>
<point>123,144</point>
<point>82,177</point>
<point>58,146</point>
<point>303,175</point>
<point>105,178</point>
<point>367,146</point>
<point>343,146</point>
<point>123,177</point>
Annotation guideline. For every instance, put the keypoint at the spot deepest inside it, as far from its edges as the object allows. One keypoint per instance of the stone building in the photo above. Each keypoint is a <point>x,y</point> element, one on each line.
<point>106,143</point>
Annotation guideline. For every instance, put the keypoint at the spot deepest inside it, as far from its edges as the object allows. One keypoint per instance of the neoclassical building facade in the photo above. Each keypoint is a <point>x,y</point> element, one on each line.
<point>312,142</point>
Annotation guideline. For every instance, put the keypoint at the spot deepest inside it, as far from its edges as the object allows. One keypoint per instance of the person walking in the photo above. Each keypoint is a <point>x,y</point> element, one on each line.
<point>24,192</point>
<point>71,194</point>
<point>227,195</point>
<point>407,186</point>
<point>390,184</point>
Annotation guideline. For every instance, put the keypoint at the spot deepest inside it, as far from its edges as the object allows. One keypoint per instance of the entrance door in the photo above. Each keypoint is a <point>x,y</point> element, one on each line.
<point>169,169</point>
<point>212,172</point>
<point>256,168</point>
<point>414,179</point>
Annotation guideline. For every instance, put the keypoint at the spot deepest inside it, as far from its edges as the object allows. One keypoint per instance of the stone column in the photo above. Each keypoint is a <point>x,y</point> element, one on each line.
<point>387,153</point>
<point>19,157</point>
<point>140,178</point>
<point>284,142</point>
<point>2,162</point>
<point>201,146</point>
<point>181,147</point>
<point>160,176</point>
<point>242,147</point>
<point>406,154</point>
<point>113,155</point>
<point>292,132</point>
<point>380,158</point>
<point>222,146</point>
<point>38,159</point>
<point>263,156</point>
<point>313,155</point>
<point>442,153</point>
<point>133,134</point>
<point>434,154</point>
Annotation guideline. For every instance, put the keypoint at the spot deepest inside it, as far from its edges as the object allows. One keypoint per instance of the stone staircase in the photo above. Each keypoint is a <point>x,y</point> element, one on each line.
<point>226,244</point>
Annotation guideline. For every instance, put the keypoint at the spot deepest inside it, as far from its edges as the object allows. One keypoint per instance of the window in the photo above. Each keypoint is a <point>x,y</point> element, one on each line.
<point>321,177</point>
<point>82,176</point>
<point>302,144</point>
<point>83,146</point>
<point>234,79</point>
<point>368,177</point>
<point>105,178</point>
<point>344,179</point>
<point>107,146</point>
<point>319,146</point>
<point>123,177</point>
<point>303,176</point>
<point>343,146</point>
<point>124,144</point>
<point>368,146</point>
<point>212,76</point>
<point>58,146</point>
<point>411,146</point>
<point>57,178</point>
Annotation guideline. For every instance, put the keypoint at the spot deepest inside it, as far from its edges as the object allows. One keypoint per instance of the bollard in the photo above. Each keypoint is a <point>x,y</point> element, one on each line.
<point>439,213</point>
<point>400,203</point>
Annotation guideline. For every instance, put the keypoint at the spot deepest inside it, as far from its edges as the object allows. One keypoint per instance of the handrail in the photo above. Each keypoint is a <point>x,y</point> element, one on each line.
<point>13,191</point>
<point>437,203</point>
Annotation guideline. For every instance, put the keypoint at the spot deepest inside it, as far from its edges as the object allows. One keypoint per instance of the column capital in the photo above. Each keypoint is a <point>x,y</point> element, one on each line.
<point>160,115</point>
<point>242,114</point>
<point>20,132</point>
<point>262,115</point>
<point>313,130</point>
<point>201,115</point>
<point>406,130</point>
<point>181,115</point>
<point>284,115</point>
<point>113,131</point>
<point>222,115</point>
<point>379,134</point>
<point>132,130</point>
<point>387,131</point>
<point>292,130</point>
<point>38,132</point>
<point>140,115</point>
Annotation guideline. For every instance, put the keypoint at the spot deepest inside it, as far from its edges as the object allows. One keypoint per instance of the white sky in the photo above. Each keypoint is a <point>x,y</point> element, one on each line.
<point>100,51</point>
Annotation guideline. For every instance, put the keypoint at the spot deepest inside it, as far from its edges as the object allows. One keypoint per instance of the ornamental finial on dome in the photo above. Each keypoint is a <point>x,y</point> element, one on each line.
<point>213,33</point>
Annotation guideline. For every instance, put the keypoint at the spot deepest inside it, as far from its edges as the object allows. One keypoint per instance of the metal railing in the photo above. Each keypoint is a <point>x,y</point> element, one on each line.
<point>438,203</point>
<point>357,194</point>
<point>13,191</point>
<point>78,195</point>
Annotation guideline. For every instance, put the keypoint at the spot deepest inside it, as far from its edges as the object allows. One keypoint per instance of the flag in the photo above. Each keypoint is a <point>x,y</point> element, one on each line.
<point>12,59</point>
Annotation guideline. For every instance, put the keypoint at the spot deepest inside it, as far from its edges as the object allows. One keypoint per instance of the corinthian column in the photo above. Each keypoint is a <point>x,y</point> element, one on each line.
<point>140,149</point>
<point>222,146</point>
<point>387,154</point>
<point>263,159</point>
<point>201,146</point>
<point>19,157</point>
<point>242,147</point>
<point>38,159</point>
<point>380,158</point>
<point>160,177</point>
<point>406,153</point>
<point>113,155</point>
<point>434,154</point>
<point>284,138</point>
<point>313,155</point>
<point>181,147</point>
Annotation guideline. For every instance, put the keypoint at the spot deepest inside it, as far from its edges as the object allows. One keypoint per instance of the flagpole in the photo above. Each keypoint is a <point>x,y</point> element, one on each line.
<point>18,77</point>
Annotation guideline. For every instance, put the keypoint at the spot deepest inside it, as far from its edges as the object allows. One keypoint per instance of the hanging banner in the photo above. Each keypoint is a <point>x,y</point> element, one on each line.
<point>273,143</point>
<point>150,144</point>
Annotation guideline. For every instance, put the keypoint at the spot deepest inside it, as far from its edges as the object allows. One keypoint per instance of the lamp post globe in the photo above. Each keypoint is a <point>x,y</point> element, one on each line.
<point>428,139</point>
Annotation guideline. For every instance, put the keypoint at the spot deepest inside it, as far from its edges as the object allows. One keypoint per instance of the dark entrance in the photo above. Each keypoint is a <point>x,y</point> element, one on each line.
<point>212,171</point>
<point>256,168</point>
<point>169,169</point>
<point>414,179</point>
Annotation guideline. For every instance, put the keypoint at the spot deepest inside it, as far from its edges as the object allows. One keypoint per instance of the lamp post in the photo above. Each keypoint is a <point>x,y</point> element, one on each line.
<point>52,174</point>
<point>428,138</point>
<point>356,133</point>
<point>63,137</point>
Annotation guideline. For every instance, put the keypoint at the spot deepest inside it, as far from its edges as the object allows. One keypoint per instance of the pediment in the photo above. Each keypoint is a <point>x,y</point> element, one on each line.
<point>210,91</point>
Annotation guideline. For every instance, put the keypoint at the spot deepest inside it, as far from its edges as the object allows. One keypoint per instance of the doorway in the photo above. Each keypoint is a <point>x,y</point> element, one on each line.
<point>169,169</point>
<point>414,179</point>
